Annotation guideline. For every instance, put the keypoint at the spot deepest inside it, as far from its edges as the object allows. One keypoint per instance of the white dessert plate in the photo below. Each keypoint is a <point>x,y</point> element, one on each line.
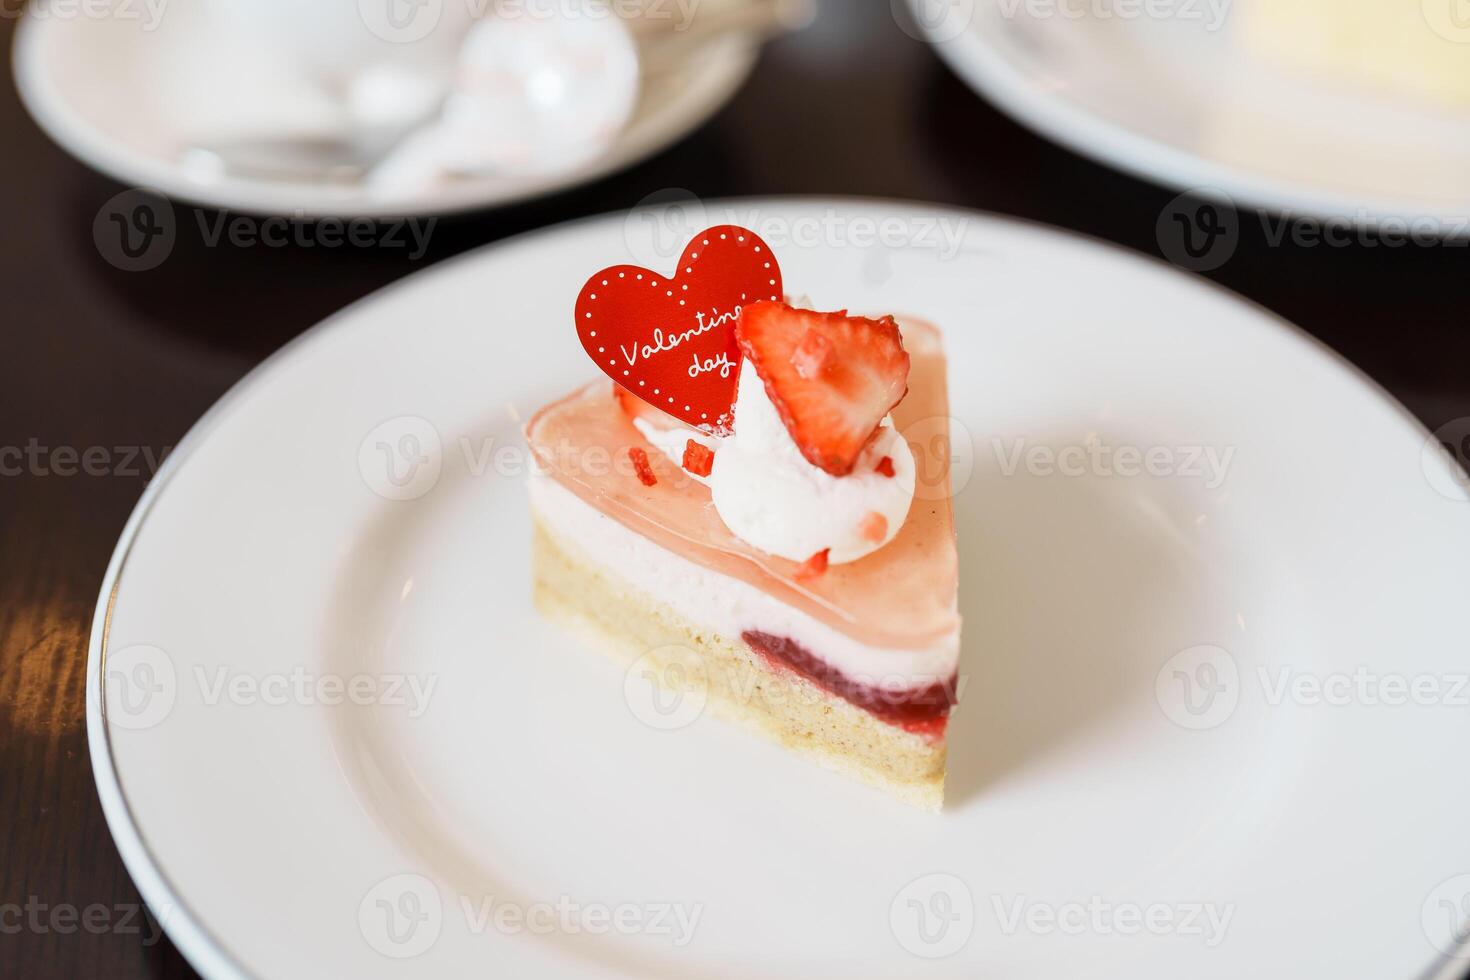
<point>127,93</point>
<point>1178,100</point>
<point>333,738</point>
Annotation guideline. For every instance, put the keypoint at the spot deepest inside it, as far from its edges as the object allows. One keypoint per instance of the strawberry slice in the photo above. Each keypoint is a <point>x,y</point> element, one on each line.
<point>832,377</point>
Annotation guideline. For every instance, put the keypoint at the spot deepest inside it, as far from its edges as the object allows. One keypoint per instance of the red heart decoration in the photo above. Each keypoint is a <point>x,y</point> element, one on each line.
<point>670,340</point>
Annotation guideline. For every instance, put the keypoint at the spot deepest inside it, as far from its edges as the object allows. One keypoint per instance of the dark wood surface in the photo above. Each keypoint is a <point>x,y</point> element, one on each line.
<point>92,356</point>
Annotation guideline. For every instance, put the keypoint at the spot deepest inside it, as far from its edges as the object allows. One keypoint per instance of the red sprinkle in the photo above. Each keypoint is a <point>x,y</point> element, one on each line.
<point>885,466</point>
<point>811,355</point>
<point>641,465</point>
<point>873,526</point>
<point>813,566</point>
<point>699,459</point>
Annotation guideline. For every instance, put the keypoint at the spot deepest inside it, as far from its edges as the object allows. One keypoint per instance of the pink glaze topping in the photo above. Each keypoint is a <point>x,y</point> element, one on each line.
<point>901,596</point>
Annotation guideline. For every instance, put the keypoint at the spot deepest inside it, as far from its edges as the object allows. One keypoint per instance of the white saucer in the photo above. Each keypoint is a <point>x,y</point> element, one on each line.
<point>1176,100</point>
<point>356,507</point>
<point>126,100</point>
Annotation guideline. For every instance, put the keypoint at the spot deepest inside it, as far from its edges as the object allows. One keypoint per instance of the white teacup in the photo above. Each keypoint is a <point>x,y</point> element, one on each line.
<point>329,42</point>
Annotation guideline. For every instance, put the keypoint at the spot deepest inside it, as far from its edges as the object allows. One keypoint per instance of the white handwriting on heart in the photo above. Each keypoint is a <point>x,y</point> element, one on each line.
<point>720,363</point>
<point>662,342</point>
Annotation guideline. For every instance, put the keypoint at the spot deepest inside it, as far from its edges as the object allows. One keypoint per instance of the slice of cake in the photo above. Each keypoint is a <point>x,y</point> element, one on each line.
<point>799,563</point>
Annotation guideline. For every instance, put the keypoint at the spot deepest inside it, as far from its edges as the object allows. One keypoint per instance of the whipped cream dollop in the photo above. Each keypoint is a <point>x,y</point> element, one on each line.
<point>772,498</point>
<point>769,496</point>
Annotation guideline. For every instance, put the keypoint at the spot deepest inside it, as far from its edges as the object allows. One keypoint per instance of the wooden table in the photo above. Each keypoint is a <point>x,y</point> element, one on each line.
<point>119,364</point>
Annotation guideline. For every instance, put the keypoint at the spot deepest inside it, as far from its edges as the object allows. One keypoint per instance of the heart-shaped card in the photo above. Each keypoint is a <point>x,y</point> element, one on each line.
<point>670,340</point>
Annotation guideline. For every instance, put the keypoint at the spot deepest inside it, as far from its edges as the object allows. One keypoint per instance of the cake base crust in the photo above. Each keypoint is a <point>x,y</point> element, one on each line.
<point>740,685</point>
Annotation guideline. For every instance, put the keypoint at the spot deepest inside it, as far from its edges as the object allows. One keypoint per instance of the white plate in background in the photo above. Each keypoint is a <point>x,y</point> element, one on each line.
<point>1178,100</point>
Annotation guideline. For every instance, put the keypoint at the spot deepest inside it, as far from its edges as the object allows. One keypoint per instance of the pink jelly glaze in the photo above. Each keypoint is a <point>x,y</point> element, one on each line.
<point>900,597</point>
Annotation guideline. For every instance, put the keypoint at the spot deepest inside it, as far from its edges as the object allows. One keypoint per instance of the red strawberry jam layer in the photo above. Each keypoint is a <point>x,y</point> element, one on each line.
<point>923,710</point>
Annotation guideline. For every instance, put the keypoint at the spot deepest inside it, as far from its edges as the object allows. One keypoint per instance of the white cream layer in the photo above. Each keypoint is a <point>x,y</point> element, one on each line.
<point>728,606</point>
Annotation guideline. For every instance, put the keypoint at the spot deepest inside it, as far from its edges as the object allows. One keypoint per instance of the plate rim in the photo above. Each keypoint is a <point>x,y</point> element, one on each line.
<point>205,951</point>
<point>1120,147</point>
<point>53,115</point>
